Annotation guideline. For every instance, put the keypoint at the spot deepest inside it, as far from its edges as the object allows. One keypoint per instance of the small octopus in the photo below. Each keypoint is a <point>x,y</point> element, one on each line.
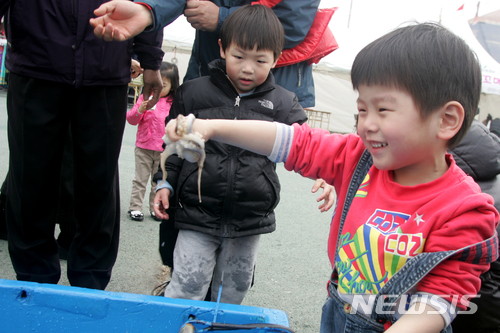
<point>191,146</point>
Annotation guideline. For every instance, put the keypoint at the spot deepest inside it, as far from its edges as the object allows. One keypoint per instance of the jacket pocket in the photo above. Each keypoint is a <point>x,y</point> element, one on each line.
<point>275,187</point>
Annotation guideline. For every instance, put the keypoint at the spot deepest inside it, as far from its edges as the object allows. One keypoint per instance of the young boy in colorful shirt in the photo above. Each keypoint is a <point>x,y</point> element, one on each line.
<point>411,232</point>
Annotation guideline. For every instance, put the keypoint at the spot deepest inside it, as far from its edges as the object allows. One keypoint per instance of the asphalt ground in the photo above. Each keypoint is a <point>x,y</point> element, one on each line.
<point>292,266</point>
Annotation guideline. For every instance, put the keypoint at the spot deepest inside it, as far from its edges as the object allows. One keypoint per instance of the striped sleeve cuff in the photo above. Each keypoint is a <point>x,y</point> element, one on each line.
<point>282,143</point>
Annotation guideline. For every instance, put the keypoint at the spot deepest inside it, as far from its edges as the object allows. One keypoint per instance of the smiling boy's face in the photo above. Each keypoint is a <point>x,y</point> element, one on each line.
<point>247,69</point>
<point>395,134</point>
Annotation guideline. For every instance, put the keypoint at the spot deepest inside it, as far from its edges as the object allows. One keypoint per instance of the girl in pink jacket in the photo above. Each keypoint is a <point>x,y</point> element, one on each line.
<point>149,140</point>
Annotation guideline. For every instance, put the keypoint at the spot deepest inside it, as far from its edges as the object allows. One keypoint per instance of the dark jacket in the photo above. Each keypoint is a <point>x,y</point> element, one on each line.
<point>296,17</point>
<point>72,45</point>
<point>239,189</point>
<point>478,154</point>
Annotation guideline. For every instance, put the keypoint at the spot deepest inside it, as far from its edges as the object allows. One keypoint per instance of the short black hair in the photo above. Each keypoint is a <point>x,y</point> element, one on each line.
<point>253,26</point>
<point>171,72</point>
<point>429,62</point>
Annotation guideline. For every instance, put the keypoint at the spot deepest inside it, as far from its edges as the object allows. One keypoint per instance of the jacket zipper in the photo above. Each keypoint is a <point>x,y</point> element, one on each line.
<point>232,161</point>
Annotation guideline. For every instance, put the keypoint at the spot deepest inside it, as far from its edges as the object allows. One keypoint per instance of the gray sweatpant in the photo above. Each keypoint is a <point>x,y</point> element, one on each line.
<point>199,256</point>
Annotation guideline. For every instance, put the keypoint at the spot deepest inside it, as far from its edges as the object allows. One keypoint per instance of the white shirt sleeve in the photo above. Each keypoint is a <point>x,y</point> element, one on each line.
<point>164,184</point>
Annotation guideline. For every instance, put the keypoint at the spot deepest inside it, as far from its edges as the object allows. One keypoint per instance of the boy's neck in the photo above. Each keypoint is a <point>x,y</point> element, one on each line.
<point>409,176</point>
<point>247,93</point>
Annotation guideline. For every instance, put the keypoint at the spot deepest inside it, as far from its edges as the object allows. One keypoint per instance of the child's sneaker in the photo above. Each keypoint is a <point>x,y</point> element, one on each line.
<point>153,215</point>
<point>136,215</point>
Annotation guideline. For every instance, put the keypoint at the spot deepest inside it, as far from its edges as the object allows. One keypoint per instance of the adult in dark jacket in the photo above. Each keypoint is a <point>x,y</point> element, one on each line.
<point>295,16</point>
<point>119,20</point>
<point>479,156</point>
<point>61,76</point>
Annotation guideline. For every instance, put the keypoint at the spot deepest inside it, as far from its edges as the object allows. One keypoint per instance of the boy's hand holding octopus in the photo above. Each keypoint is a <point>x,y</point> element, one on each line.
<point>182,140</point>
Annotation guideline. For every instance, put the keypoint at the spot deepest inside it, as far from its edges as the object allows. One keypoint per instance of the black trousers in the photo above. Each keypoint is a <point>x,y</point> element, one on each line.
<point>66,206</point>
<point>39,113</point>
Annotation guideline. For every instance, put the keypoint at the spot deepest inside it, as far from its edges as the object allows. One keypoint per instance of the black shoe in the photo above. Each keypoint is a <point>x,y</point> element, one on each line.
<point>136,215</point>
<point>153,215</point>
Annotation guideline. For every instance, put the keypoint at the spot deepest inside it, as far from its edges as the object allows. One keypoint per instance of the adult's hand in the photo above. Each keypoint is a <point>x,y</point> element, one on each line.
<point>152,85</point>
<point>120,20</point>
<point>203,15</point>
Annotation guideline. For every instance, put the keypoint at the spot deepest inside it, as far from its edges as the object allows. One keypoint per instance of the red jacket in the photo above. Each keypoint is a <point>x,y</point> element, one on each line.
<point>318,42</point>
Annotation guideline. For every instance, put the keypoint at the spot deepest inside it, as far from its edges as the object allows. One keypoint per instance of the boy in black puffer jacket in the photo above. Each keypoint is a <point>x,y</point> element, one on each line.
<point>478,155</point>
<point>239,189</point>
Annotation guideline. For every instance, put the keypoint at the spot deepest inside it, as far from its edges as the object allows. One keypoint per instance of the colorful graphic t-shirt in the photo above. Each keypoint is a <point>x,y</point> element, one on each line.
<point>374,244</point>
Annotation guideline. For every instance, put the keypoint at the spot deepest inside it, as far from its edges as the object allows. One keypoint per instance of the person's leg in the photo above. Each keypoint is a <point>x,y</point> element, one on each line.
<point>168,238</point>
<point>153,168</point>
<point>142,168</point>
<point>3,197</point>
<point>236,261</point>
<point>194,258</point>
<point>37,127</point>
<point>97,128</point>
<point>66,207</point>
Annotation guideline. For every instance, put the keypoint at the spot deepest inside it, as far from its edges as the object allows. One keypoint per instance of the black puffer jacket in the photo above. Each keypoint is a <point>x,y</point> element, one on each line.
<point>479,156</point>
<point>239,189</point>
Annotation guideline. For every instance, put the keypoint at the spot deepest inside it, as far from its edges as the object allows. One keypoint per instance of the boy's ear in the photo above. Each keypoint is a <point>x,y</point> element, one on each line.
<point>222,53</point>
<point>452,116</point>
<point>276,61</point>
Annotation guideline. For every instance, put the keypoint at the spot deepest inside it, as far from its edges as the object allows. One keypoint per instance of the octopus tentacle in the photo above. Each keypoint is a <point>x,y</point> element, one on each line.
<point>191,147</point>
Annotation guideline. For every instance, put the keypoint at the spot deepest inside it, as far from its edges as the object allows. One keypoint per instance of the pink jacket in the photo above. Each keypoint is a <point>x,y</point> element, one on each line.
<point>151,123</point>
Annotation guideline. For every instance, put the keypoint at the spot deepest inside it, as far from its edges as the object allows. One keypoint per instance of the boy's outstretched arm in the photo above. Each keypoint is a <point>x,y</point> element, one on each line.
<point>415,320</point>
<point>254,135</point>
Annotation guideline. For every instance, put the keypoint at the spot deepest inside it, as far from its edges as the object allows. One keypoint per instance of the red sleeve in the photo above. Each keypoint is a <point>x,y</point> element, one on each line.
<point>316,153</point>
<point>144,4</point>
<point>475,221</point>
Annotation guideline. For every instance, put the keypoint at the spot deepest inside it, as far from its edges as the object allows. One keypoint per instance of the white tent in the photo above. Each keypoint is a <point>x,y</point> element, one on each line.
<point>490,96</point>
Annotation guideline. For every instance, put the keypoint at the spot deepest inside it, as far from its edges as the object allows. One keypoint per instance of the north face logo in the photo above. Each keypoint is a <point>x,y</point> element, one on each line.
<point>267,104</point>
